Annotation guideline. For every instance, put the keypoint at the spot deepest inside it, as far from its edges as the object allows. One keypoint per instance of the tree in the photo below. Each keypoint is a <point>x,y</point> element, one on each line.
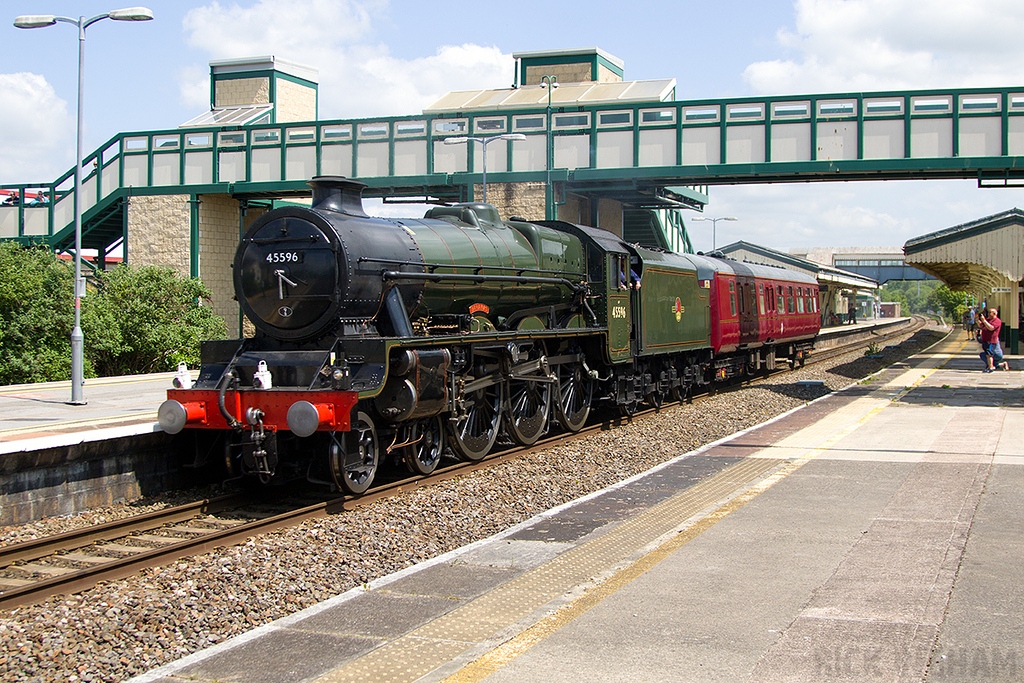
<point>147,319</point>
<point>947,300</point>
<point>134,319</point>
<point>36,315</point>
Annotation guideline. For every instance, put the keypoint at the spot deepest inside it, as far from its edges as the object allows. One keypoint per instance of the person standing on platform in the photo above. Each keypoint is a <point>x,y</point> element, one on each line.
<point>970,321</point>
<point>990,338</point>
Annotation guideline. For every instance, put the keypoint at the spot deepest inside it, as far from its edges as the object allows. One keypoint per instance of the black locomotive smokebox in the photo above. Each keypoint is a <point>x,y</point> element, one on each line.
<point>338,193</point>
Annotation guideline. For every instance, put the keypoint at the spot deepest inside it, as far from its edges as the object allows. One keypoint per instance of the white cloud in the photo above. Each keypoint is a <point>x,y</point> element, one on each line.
<point>853,45</point>
<point>34,129</point>
<point>357,75</point>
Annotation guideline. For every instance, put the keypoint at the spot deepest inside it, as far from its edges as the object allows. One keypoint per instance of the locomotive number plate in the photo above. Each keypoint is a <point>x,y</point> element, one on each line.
<point>284,257</point>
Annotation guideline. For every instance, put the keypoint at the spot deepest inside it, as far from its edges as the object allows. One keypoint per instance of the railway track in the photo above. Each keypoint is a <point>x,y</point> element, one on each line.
<point>77,560</point>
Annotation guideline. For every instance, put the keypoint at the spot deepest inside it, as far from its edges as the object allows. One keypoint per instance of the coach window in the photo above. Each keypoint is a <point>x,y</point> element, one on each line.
<point>760,298</point>
<point>790,304</point>
<point>732,297</point>
<point>753,298</point>
<point>741,299</point>
<point>799,299</point>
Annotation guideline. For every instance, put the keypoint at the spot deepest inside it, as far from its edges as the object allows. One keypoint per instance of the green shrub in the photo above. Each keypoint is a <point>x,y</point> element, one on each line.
<point>134,320</point>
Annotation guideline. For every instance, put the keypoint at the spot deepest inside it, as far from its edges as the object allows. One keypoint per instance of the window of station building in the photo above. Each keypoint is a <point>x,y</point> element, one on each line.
<point>760,298</point>
<point>836,108</point>
<point>406,129</point>
<point>752,111</point>
<point>528,123</point>
<point>891,262</point>
<point>942,104</point>
<point>491,124</point>
<point>270,136</point>
<point>790,303</point>
<point>844,262</point>
<point>231,138</point>
<point>166,141</point>
<point>891,106</point>
<point>140,144</point>
<point>970,104</point>
<point>651,117</point>
<point>451,126</point>
<point>305,134</point>
<point>198,139</point>
<point>732,297</point>
<point>791,110</point>
<point>372,131</point>
<point>336,133</point>
<point>614,119</point>
<point>574,120</point>
<point>708,114</point>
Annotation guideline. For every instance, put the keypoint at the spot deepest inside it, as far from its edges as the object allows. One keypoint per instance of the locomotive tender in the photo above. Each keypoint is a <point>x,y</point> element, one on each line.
<point>400,337</point>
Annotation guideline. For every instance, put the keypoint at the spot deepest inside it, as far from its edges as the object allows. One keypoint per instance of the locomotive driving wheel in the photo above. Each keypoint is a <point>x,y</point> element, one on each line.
<point>475,431</point>
<point>424,446</point>
<point>575,391</point>
<point>529,404</point>
<point>353,456</point>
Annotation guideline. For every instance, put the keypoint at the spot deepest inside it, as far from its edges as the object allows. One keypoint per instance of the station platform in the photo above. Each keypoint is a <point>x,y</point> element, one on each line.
<point>39,416</point>
<point>876,534</point>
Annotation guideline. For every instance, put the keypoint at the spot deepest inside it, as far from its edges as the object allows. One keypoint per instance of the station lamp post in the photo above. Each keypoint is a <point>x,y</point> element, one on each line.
<point>40,21</point>
<point>550,83</point>
<point>714,224</point>
<point>483,145</point>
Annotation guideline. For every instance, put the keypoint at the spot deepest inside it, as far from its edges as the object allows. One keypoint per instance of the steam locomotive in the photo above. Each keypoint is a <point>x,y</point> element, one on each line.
<point>400,338</point>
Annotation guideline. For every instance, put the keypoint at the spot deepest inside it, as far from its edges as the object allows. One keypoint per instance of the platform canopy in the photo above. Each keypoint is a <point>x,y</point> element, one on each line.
<point>984,257</point>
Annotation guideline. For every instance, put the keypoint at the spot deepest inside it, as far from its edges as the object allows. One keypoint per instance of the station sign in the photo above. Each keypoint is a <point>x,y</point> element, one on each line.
<point>1001,290</point>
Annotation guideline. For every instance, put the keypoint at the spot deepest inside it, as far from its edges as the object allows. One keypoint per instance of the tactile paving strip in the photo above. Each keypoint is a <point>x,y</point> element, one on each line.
<point>437,643</point>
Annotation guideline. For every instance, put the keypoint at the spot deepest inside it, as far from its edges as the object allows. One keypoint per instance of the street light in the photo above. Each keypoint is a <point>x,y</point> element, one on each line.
<point>39,21</point>
<point>714,224</point>
<point>550,83</point>
<point>483,144</point>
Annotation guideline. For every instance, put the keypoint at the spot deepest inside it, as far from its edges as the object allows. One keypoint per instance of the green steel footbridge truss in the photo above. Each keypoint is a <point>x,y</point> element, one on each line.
<point>654,154</point>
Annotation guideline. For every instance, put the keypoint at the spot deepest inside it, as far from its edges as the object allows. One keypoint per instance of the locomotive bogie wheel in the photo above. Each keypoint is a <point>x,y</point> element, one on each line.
<point>654,399</point>
<point>424,447</point>
<point>529,404</point>
<point>575,392</point>
<point>474,433</point>
<point>354,456</point>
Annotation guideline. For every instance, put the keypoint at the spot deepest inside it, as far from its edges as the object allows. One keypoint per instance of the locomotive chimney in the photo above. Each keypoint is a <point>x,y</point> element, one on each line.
<point>338,193</point>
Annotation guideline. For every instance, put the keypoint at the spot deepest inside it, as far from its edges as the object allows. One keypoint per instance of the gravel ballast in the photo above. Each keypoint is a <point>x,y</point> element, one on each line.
<point>123,628</point>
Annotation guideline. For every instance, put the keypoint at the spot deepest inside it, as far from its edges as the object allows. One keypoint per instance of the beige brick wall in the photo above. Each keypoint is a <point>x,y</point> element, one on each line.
<point>241,91</point>
<point>606,75</point>
<point>159,232</point>
<point>218,240</point>
<point>525,200</point>
<point>609,215</point>
<point>294,102</point>
<point>563,73</point>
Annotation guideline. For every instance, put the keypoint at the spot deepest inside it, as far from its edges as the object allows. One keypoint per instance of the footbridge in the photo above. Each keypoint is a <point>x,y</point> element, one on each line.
<point>643,148</point>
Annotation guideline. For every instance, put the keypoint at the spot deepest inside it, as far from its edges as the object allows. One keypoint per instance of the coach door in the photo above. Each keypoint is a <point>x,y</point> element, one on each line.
<point>747,301</point>
<point>620,315</point>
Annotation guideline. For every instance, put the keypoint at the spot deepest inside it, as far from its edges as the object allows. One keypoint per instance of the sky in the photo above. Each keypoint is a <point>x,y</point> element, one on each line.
<point>395,57</point>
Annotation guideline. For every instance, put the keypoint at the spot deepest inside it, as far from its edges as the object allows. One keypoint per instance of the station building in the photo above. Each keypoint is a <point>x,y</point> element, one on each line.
<point>983,257</point>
